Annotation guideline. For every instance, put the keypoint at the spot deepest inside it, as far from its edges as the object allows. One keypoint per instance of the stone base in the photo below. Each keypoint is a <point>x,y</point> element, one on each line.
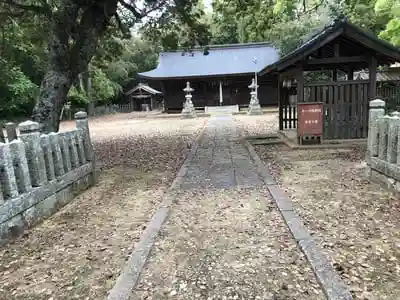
<point>31,208</point>
<point>255,109</point>
<point>386,182</point>
<point>188,114</point>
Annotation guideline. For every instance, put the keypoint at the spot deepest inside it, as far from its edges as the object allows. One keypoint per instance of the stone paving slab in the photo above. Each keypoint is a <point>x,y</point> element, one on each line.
<point>223,241</point>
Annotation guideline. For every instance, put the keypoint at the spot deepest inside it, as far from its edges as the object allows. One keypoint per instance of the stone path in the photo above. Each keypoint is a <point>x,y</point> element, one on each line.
<point>224,237</point>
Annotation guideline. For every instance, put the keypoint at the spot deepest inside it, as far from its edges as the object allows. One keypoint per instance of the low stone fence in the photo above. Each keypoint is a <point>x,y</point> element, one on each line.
<point>9,131</point>
<point>383,155</point>
<point>39,173</point>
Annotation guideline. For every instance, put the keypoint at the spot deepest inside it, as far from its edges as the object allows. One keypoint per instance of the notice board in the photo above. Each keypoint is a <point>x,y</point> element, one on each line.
<point>311,119</point>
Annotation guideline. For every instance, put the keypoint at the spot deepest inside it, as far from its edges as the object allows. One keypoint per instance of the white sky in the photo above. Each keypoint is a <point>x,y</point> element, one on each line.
<point>207,4</point>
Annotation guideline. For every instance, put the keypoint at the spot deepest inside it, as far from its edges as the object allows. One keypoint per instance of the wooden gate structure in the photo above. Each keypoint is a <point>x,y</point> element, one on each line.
<point>339,49</point>
<point>345,107</point>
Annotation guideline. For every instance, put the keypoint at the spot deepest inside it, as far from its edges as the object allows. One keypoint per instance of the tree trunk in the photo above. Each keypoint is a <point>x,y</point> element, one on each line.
<point>76,30</point>
<point>53,94</point>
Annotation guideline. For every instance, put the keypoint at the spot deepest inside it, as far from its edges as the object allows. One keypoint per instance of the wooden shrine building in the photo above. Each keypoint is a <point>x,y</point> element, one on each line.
<point>322,71</point>
<point>220,75</point>
<point>143,95</point>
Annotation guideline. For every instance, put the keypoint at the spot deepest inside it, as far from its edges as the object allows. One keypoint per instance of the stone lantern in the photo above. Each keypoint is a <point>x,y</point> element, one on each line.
<point>254,106</point>
<point>188,110</point>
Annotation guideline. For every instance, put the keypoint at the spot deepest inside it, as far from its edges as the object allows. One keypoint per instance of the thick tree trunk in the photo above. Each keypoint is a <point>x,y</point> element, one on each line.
<point>53,94</point>
<point>76,30</point>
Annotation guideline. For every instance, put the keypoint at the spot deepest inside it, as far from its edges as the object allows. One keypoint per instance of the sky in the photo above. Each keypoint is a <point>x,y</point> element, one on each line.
<point>207,4</point>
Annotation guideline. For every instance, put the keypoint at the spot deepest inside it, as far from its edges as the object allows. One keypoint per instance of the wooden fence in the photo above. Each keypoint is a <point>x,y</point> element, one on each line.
<point>390,93</point>
<point>345,107</point>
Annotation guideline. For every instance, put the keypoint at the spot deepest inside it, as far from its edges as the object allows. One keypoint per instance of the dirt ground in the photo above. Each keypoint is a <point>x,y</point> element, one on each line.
<point>79,251</point>
<point>257,125</point>
<point>356,222</point>
<point>226,244</point>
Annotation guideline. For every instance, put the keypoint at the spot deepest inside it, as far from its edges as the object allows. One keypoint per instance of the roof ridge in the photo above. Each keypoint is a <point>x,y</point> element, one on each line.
<point>224,46</point>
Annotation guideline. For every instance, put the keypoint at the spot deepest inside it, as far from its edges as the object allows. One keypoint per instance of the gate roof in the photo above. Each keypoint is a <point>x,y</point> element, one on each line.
<point>352,40</point>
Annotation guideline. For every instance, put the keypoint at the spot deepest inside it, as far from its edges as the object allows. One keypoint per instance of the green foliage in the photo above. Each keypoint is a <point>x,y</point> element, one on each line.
<point>17,91</point>
<point>392,32</point>
<point>114,68</point>
<point>172,31</point>
<point>389,10</point>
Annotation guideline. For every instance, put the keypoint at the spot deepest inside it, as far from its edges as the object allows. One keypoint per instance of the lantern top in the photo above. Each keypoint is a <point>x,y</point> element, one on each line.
<point>252,84</point>
<point>188,88</point>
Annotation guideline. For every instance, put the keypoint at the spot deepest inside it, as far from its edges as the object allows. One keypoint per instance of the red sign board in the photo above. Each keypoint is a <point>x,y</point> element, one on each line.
<point>311,118</point>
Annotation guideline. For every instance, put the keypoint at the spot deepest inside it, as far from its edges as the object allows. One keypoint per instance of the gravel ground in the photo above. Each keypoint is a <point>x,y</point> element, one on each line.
<point>355,221</point>
<point>225,238</point>
<point>79,251</point>
<point>257,125</point>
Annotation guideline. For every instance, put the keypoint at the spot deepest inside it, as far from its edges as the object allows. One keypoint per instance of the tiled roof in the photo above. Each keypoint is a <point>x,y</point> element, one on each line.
<point>143,87</point>
<point>320,34</point>
<point>220,60</point>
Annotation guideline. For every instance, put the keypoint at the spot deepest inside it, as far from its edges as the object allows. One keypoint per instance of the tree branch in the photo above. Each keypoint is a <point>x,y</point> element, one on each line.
<point>93,24</point>
<point>141,14</point>
<point>131,8</point>
<point>120,25</point>
<point>38,9</point>
<point>146,13</point>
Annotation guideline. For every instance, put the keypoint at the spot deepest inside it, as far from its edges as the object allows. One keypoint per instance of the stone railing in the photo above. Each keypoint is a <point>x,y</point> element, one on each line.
<point>383,155</point>
<point>39,173</point>
<point>9,131</point>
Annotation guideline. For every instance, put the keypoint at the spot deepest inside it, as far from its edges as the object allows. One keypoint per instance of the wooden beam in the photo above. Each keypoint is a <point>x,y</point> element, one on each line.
<point>336,50</point>
<point>337,60</point>
<point>372,78</point>
<point>301,53</point>
<point>379,46</point>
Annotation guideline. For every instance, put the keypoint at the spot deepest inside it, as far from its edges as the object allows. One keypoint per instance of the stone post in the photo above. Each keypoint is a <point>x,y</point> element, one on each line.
<point>392,137</point>
<point>65,151</point>
<point>11,130</point>
<point>71,140</point>
<point>21,169</point>
<point>188,110</point>
<point>48,156</point>
<point>383,129</point>
<point>57,155</point>
<point>8,185</point>
<point>30,135</point>
<point>82,124</point>
<point>254,106</point>
<point>376,110</point>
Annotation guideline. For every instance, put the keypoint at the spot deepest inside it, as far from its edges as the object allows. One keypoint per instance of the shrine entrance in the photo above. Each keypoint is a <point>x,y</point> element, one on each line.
<point>345,107</point>
<point>322,71</point>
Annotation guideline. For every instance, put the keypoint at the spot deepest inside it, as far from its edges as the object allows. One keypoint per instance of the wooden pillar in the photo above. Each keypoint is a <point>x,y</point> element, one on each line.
<point>334,74</point>
<point>280,104</point>
<point>350,74</point>
<point>300,94</point>
<point>164,101</point>
<point>372,77</point>
<point>300,84</point>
